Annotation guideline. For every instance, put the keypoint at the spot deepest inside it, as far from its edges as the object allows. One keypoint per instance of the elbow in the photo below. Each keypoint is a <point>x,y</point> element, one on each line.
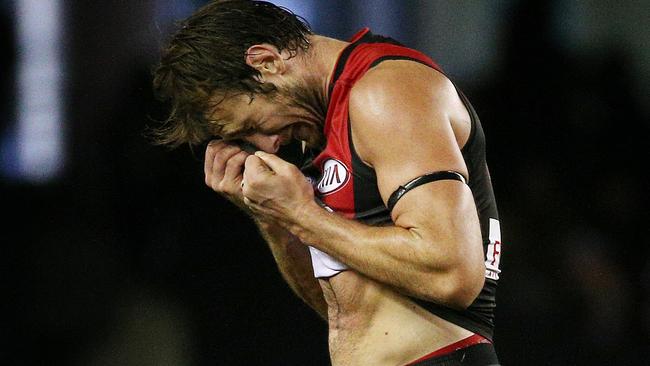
<point>458,288</point>
<point>466,274</point>
<point>455,277</point>
<point>465,289</point>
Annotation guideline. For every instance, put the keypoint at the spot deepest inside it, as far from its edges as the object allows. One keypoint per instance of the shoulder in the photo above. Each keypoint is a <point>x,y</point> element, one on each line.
<point>397,83</point>
<point>400,105</point>
<point>401,97</point>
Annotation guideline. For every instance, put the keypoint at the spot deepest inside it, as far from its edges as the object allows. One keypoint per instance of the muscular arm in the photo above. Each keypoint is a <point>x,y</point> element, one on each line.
<point>427,262</point>
<point>223,173</point>
<point>403,130</point>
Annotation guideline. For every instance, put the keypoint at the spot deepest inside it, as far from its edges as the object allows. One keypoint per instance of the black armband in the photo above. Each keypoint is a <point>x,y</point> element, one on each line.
<point>423,179</point>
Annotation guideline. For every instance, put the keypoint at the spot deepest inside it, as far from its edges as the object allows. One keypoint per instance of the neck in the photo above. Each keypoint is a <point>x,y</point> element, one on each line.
<point>321,60</point>
<point>315,71</point>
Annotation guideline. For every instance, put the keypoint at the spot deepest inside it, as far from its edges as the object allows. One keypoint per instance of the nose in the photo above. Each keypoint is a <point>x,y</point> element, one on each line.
<point>266,143</point>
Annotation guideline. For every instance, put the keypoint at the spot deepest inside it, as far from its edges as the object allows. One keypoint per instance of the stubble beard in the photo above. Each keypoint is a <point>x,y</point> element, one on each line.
<point>308,97</point>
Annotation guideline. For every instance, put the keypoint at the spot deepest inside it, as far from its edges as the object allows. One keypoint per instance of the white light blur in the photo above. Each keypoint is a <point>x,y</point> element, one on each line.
<point>39,135</point>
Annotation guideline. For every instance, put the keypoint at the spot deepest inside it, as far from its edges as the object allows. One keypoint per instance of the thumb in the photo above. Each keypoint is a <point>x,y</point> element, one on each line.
<point>275,163</point>
<point>256,165</point>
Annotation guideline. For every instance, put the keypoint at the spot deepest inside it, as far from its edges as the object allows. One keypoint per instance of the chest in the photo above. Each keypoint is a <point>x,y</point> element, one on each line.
<point>346,184</point>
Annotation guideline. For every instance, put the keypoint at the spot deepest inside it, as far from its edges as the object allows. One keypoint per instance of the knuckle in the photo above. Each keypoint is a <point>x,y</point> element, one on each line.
<point>292,171</point>
<point>231,163</point>
<point>221,187</point>
<point>214,145</point>
<point>219,163</point>
<point>224,152</point>
<point>286,168</point>
<point>236,160</point>
<point>242,155</point>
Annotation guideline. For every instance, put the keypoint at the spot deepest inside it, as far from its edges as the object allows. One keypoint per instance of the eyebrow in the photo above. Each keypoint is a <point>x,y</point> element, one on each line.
<point>239,131</point>
<point>221,121</point>
<point>217,123</point>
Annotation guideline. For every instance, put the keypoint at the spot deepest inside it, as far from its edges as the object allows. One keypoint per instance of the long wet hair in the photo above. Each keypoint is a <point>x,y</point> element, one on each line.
<point>207,54</point>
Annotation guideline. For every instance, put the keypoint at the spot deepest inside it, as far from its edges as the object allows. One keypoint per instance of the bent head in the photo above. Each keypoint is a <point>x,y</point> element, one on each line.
<point>232,70</point>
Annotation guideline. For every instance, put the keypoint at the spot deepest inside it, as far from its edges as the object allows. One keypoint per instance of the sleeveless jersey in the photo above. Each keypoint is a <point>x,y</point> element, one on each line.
<point>349,187</point>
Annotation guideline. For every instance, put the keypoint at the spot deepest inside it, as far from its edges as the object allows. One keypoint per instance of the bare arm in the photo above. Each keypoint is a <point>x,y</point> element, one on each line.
<point>402,130</point>
<point>223,173</point>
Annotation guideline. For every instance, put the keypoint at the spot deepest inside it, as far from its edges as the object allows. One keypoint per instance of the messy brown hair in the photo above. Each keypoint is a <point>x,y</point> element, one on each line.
<point>207,54</point>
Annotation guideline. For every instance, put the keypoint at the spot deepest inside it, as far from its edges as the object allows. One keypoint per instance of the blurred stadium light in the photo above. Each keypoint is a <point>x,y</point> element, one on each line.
<point>33,147</point>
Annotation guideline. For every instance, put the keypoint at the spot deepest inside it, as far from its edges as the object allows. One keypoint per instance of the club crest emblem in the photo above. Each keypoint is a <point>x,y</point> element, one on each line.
<point>335,176</point>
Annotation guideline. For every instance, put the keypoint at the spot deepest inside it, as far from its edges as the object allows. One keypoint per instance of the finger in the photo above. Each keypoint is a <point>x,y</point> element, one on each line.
<point>254,166</point>
<point>221,159</point>
<point>274,163</point>
<point>234,167</point>
<point>213,147</point>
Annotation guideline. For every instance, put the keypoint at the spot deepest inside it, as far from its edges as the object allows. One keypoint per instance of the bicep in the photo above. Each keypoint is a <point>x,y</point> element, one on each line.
<point>404,131</point>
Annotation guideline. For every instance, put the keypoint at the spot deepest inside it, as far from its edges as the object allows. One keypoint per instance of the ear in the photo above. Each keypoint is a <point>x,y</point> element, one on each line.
<point>266,59</point>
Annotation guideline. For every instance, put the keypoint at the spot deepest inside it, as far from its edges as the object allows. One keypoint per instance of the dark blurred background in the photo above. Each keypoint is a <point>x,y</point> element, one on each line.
<point>115,253</point>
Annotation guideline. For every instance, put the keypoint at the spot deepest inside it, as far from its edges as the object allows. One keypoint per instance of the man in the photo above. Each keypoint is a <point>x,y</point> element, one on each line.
<point>395,239</point>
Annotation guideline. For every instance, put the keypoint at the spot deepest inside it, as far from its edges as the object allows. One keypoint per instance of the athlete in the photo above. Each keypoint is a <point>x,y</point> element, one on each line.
<point>363,167</point>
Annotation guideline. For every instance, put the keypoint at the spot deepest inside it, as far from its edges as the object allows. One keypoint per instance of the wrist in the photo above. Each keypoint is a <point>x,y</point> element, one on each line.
<point>303,216</point>
<point>265,223</point>
<point>238,202</point>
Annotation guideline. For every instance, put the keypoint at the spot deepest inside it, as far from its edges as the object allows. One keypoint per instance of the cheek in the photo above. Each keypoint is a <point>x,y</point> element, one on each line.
<point>307,133</point>
<point>286,134</point>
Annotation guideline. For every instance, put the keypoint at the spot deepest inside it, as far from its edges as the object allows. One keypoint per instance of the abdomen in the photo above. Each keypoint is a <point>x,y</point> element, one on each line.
<point>369,323</point>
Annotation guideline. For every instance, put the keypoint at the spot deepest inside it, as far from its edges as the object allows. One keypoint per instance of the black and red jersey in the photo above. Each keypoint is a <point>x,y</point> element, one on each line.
<point>349,186</point>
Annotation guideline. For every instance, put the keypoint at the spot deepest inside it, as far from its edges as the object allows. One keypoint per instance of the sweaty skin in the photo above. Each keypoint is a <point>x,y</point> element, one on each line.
<point>432,252</point>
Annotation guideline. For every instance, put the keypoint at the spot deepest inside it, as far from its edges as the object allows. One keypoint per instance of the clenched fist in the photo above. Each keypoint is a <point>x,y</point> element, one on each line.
<point>224,169</point>
<point>275,188</point>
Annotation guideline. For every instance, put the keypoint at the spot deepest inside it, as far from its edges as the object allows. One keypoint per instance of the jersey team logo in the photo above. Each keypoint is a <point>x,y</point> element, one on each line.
<point>335,176</point>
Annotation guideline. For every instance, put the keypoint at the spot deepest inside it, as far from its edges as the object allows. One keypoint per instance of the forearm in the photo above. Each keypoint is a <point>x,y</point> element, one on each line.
<point>294,263</point>
<point>400,257</point>
<point>433,252</point>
